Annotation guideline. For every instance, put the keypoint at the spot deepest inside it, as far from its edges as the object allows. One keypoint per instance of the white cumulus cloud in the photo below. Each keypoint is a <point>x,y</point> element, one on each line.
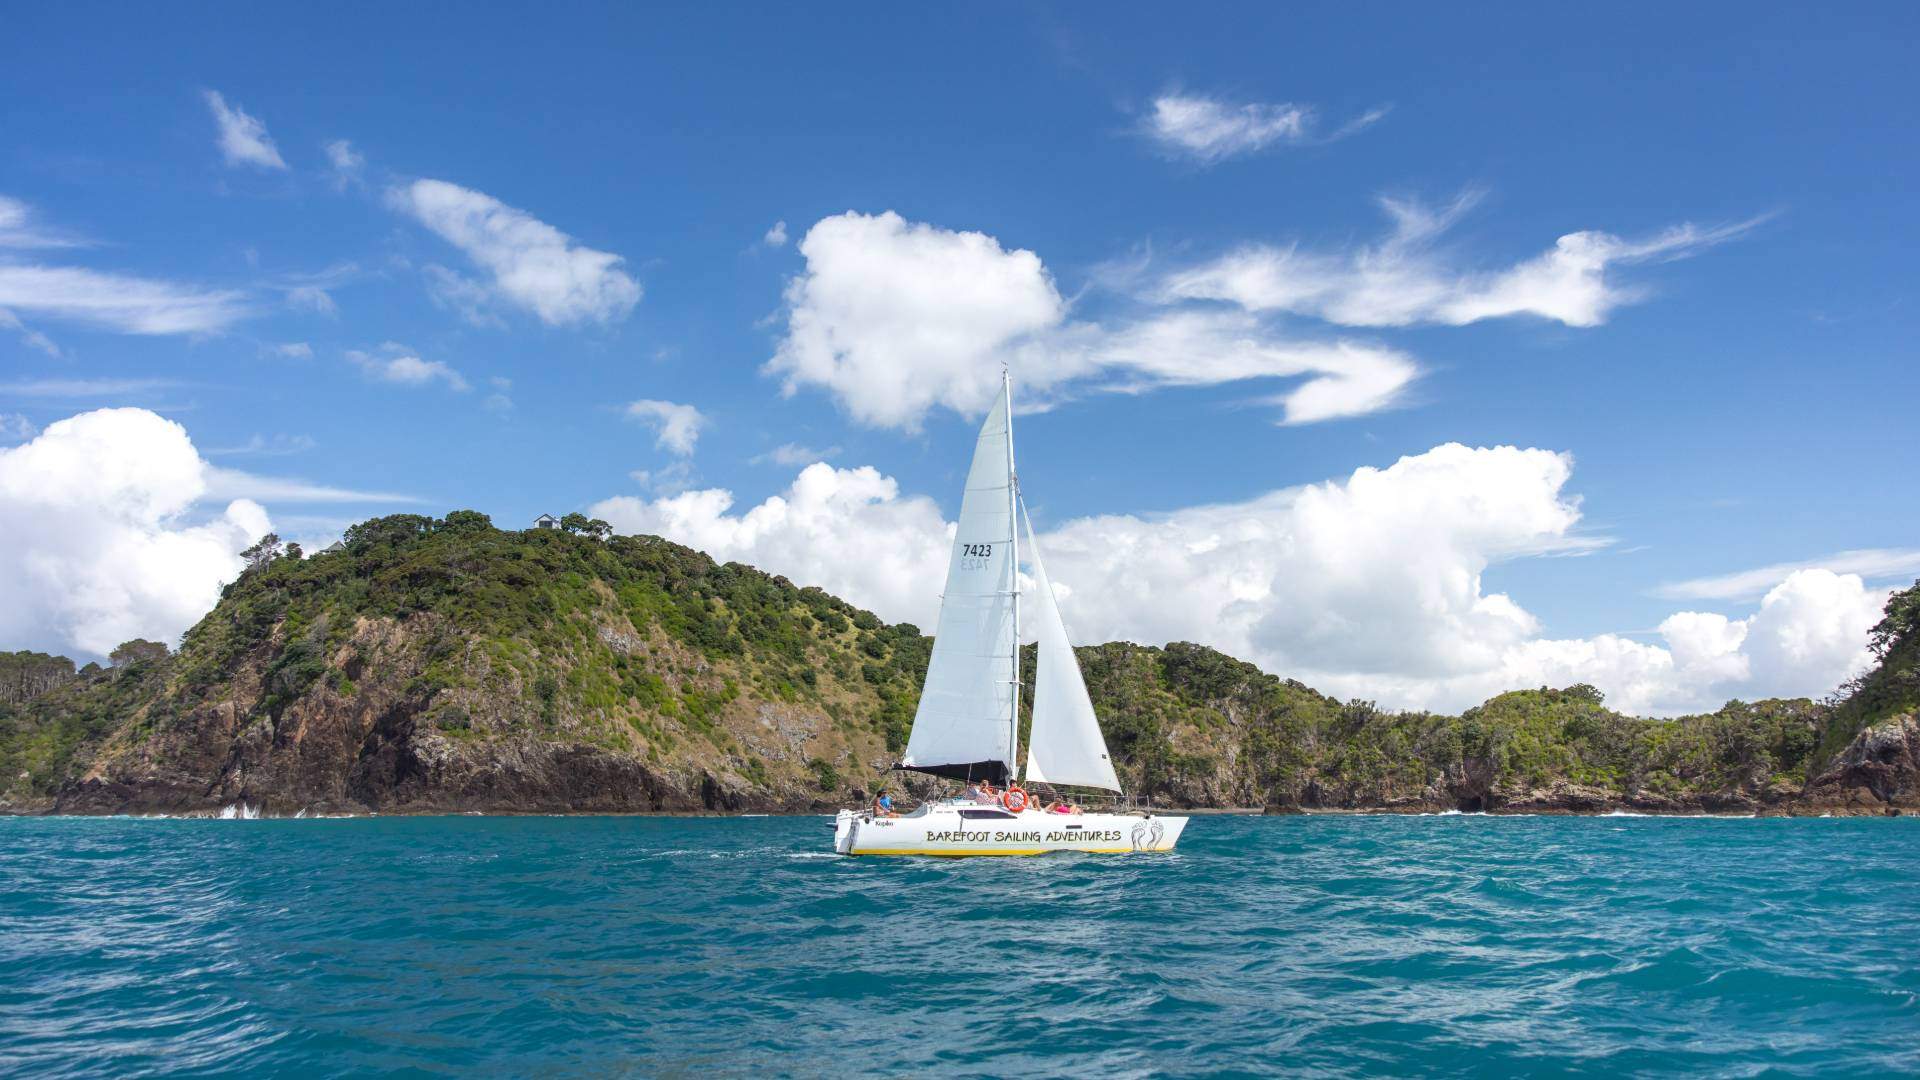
<point>1381,573</point>
<point>97,539</point>
<point>399,366</point>
<point>243,139</point>
<point>895,318</point>
<point>346,163</point>
<point>676,427</point>
<point>848,531</point>
<point>532,265</point>
<point>1405,279</point>
<point>1372,585</point>
<point>1808,634</point>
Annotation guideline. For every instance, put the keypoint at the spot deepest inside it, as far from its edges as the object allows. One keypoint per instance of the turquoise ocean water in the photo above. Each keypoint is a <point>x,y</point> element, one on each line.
<point>673,947</point>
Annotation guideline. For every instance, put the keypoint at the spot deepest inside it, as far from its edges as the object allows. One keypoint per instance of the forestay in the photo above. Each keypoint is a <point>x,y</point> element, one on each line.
<point>1065,745</point>
<point>964,726</point>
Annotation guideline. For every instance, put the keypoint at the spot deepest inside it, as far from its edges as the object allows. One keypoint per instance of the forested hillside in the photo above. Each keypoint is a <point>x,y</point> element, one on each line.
<point>442,664</point>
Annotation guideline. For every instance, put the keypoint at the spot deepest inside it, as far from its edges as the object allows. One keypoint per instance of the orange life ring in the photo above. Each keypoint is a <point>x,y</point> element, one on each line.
<point>1014,799</point>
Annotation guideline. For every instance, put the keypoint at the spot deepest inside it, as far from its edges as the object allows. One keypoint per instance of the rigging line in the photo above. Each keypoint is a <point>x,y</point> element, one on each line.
<point>1013,572</point>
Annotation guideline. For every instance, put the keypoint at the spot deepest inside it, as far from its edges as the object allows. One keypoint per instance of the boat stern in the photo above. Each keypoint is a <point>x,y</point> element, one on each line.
<point>1156,832</point>
<point>846,824</point>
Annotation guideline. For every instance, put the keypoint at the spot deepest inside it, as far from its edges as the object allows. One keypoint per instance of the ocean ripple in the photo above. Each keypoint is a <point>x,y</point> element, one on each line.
<point>1323,946</point>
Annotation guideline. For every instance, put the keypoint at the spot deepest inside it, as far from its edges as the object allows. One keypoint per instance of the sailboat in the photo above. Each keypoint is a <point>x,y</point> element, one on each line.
<point>967,725</point>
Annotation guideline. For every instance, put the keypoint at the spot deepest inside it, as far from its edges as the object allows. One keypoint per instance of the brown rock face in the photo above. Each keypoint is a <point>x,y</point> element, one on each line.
<point>378,742</point>
<point>1879,770</point>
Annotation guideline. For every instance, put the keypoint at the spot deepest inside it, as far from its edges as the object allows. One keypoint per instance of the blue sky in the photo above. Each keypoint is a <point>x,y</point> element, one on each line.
<point>1733,387</point>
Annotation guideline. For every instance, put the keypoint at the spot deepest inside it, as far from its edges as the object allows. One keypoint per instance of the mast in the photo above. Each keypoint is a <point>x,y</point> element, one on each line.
<point>1013,571</point>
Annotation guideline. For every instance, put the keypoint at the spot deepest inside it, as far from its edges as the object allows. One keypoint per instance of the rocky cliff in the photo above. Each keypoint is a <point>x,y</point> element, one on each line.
<point>1878,770</point>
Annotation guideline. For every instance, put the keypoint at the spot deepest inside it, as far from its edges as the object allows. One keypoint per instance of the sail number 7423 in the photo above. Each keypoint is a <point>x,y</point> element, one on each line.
<point>975,556</point>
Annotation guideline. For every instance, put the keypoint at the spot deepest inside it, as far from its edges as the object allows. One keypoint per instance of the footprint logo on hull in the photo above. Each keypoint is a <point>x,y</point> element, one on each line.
<point>1146,836</point>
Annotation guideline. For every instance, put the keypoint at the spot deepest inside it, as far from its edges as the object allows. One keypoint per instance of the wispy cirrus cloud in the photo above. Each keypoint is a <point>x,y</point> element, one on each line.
<point>1408,279</point>
<point>1871,564</point>
<point>793,456</point>
<point>312,298</point>
<point>224,483</point>
<point>312,290</point>
<point>34,338</point>
<point>120,303</point>
<point>530,264</point>
<point>96,299</point>
<point>15,427</point>
<point>280,445</point>
<point>243,139</point>
<point>1212,129</point>
<point>19,229</point>
<point>670,480</point>
<point>84,388</point>
<point>500,402</point>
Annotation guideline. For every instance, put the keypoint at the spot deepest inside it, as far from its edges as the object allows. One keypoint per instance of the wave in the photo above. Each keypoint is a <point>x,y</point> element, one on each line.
<point>1374,947</point>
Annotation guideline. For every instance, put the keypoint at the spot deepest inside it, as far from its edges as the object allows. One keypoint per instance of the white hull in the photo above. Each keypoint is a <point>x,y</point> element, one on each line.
<point>965,829</point>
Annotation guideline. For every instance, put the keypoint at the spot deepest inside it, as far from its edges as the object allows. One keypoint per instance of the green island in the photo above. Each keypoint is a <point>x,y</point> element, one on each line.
<point>442,665</point>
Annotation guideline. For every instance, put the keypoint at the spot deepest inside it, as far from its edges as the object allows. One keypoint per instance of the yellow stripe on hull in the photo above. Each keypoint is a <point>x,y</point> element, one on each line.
<point>1004,851</point>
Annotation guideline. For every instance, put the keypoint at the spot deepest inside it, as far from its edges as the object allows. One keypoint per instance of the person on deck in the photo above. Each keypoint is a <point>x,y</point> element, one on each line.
<point>988,796</point>
<point>883,805</point>
<point>973,792</point>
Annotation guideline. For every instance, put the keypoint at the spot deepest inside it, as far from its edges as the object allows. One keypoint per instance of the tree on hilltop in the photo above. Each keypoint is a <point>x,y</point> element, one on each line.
<point>136,651</point>
<point>1901,623</point>
<point>264,550</point>
<point>464,521</point>
<point>581,523</point>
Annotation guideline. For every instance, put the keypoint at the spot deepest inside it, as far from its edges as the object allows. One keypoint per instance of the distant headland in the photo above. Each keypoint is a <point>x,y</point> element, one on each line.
<point>442,665</point>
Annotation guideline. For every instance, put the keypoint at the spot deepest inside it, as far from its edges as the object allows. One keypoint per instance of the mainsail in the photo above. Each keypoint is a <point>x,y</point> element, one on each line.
<point>1065,745</point>
<point>964,726</point>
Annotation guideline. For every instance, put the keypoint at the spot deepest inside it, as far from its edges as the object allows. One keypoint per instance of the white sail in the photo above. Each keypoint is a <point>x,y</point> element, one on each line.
<point>965,721</point>
<point>1065,745</point>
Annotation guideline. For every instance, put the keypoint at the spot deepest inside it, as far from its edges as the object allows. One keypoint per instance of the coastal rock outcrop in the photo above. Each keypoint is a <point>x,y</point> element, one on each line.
<point>1878,771</point>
